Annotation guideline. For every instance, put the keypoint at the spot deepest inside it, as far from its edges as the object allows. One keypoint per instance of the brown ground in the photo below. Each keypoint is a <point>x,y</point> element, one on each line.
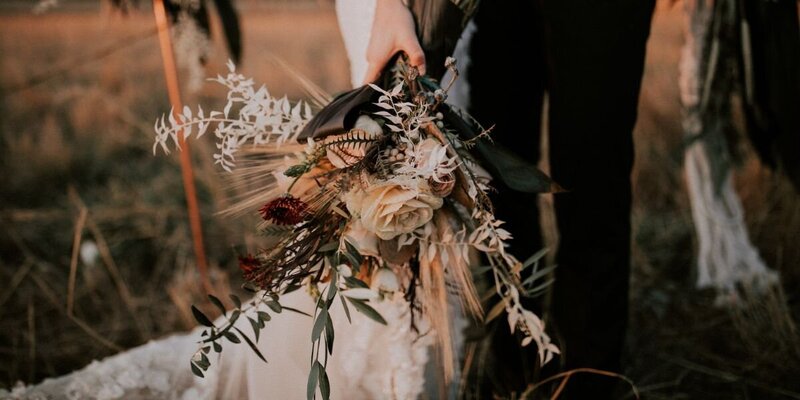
<point>81,136</point>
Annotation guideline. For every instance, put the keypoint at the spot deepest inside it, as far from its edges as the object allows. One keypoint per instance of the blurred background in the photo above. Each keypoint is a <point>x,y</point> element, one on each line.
<point>81,193</point>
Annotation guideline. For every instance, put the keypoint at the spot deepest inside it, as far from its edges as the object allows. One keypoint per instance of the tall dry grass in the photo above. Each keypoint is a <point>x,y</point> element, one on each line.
<point>681,345</point>
<point>79,94</point>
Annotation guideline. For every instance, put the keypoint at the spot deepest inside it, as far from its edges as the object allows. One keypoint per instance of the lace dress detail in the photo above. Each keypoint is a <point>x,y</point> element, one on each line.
<point>158,369</point>
<point>370,361</point>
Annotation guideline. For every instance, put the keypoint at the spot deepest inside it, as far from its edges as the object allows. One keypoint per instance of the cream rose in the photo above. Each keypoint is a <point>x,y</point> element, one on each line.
<point>363,240</point>
<point>389,209</point>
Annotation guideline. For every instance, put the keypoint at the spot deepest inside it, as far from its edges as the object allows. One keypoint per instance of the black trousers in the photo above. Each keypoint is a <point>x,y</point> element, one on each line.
<point>588,57</point>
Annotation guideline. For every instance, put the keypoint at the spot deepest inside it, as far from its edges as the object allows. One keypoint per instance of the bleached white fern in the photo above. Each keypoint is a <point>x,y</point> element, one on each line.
<point>249,116</point>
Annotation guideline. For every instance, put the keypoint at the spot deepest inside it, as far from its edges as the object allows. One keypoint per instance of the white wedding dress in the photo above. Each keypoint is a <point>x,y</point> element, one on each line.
<point>370,361</point>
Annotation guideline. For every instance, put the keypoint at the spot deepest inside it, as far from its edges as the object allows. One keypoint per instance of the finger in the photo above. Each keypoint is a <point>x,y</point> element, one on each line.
<point>416,57</point>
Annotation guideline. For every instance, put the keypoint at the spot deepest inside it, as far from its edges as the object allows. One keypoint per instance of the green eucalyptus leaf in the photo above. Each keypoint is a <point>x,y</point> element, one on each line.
<point>328,247</point>
<point>196,370</point>
<point>204,363</point>
<point>536,290</point>
<point>232,337</point>
<point>218,303</point>
<point>332,289</point>
<point>353,282</point>
<point>295,171</point>
<point>324,383</point>
<point>534,258</point>
<point>291,288</point>
<point>313,378</point>
<point>329,334</point>
<point>367,310</point>
<point>292,309</point>
<point>256,325</point>
<point>536,275</point>
<point>201,318</point>
<point>346,309</point>
<point>275,306</point>
<point>251,344</point>
<point>236,300</point>
<point>263,316</point>
<point>250,287</point>
<point>319,324</point>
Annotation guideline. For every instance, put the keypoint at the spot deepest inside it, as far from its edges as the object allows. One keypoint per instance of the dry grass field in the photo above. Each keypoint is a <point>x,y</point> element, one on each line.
<point>79,92</point>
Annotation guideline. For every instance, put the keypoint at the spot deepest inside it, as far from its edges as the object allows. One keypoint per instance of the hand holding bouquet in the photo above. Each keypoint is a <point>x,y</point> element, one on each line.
<point>386,193</point>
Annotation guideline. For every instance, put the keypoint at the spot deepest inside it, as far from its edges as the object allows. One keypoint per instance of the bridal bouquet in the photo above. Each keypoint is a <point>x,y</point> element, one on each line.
<point>381,192</point>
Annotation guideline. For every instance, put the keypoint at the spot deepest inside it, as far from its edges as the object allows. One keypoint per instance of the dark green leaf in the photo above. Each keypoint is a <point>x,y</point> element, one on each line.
<point>275,306</point>
<point>536,275</point>
<point>332,289</point>
<point>353,252</point>
<point>313,378</point>
<point>541,287</point>
<point>256,325</point>
<point>200,317</point>
<point>232,337</point>
<point>291,288</point>
<point>319,324</point>
<point>217,302</point>
<point>367,310</point>
<point>236,300</point>
<point>329,334</point>
<point>203,363</point>
<point>250,287</point>
<point>330,246</point>
<point>292,309</point>
<point>353,282</point>
<point>206,349</point>
<point>324,383</point>
<point>336,259</point>
<point>263,316</point>
<point>353,256</point>
<point>534,258</point>
<point>217,347</point>
<point>296,171</point>
<point>196,370</point>
<point>235,316</point>
<point>346,309</point>
<point>251,344</point>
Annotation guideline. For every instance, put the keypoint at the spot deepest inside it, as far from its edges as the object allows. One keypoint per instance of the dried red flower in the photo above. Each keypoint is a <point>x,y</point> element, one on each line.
<point>285,210</point>
<point>248,264</point>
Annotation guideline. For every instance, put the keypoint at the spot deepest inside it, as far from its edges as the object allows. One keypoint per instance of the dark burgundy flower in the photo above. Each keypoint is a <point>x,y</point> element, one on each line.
<point>248,264</point>
<point>285,210</point>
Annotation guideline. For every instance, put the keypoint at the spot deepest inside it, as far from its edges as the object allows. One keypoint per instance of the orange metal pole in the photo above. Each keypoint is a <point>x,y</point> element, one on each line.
<point>171,74</point>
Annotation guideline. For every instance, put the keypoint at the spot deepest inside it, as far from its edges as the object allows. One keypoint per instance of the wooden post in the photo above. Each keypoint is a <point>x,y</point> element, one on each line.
<point>171,75</point>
